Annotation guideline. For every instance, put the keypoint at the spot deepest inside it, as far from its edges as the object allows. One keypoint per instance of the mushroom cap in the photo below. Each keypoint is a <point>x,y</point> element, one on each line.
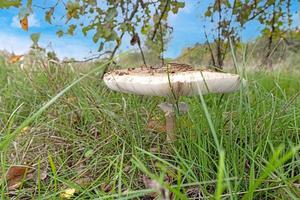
<point>186,83</point>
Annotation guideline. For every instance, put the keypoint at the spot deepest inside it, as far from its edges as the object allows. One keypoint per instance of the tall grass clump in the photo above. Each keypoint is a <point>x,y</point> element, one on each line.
<point>83,136</point>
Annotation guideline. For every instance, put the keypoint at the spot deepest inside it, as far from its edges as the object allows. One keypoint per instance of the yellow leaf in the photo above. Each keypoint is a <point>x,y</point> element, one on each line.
<point>71,100</point>
<point>24,23</point>
<point>25,130</point>
<point>67,193</point>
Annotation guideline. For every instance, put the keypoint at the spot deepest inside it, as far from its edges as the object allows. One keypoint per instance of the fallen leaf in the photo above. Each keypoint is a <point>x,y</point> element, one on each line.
<point>156,125</point>
<point>71,100</point>
<point>67,193</point>
<point>17,174</point>
<point>40,175</point>
<point>43,175</point>
<point>83,181</point>
<point>24,23</point>
<point>15,58</point>
<point>162,192</point>
<point>106,187</point>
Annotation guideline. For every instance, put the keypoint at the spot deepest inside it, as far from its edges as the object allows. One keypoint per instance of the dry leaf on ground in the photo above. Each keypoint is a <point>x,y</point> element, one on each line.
<point>106,187</point>
<point>17,174</point>
<point>67,193</point>
<point>162,192</point>
<point>84,181</point>
<point>155,125</point>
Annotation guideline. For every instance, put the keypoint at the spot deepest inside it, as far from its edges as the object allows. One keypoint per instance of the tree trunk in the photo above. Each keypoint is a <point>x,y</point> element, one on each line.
<point>268,59</point>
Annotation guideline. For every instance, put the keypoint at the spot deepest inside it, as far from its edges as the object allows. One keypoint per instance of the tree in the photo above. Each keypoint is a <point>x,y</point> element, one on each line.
<point>157,46</point>
<point>276,20</point>
<point>231,18</point>
<point>107,21</point>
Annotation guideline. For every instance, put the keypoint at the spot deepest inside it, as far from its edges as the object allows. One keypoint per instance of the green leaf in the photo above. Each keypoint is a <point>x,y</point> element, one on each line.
<point>73,10</point>
<point>48,15</point>
<point>123,27</point>
<point>175,9</point>
<point>111,13</point>
<point>96,37</point>
<point>60,33</point>
<point>10,3</point>
<point>111,36</point>
<point>181,4</point>
<point>92,2</point>
<point>145,29</point>
<point>71,29</point>
<point>208,13</point>
<point>176,6</point>
<point>87,29</point>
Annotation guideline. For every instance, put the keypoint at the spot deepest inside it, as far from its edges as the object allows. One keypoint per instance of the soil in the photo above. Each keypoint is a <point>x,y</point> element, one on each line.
<point>151,70</point>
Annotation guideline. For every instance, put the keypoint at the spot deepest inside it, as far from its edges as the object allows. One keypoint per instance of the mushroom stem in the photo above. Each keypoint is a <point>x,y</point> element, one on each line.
<point>170,115</point>
<point>170,127</point>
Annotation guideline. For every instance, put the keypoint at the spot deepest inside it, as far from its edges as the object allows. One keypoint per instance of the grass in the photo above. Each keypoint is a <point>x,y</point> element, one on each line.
<point>233,146</point>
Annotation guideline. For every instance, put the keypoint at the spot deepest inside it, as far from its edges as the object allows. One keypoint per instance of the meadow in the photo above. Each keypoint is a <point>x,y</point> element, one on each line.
<point>88,142</point>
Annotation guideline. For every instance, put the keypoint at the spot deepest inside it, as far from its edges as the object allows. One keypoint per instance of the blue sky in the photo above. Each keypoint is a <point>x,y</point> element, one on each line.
<point>187,25</point>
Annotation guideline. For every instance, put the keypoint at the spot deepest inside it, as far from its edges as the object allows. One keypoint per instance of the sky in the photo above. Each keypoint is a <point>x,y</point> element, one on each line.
<point>187,30</point>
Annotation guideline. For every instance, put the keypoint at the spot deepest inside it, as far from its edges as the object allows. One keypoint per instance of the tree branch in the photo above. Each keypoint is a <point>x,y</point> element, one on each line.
<point>88,59</point>
<point>160,18</point>
<point>210,49</point>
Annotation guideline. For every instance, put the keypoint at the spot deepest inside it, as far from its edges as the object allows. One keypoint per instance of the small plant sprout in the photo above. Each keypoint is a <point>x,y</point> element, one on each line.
<point>172,81</point>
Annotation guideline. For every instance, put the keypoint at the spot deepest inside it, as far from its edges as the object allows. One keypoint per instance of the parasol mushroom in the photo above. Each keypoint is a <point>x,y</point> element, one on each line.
<point>173,81</point>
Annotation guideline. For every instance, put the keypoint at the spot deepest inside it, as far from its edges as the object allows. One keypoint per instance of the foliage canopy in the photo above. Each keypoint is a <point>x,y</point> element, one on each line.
<point>107,21</point>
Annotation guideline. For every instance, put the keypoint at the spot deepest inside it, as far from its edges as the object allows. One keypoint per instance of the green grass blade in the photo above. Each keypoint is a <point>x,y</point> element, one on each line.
<point>220,183</point>
<point>8,138</point>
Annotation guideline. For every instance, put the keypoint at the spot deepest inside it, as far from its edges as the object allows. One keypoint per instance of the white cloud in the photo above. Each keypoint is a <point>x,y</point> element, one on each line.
<point>64,47</point>
<point>12,43</point>
<point>68,47</point>
<point>32,21</point>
